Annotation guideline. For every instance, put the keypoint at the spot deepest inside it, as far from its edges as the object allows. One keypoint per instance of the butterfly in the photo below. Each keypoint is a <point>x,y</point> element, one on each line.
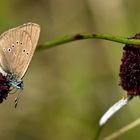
<point>17,47</point>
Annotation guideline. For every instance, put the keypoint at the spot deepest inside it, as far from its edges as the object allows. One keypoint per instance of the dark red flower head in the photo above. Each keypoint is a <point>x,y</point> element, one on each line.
<point>4,88</point>
<point>130,68</point>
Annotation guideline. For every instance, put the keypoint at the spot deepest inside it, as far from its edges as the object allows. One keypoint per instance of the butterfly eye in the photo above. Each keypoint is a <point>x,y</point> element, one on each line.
<point>21,43</point>
<point>17,42</point>
<point>27,53</point>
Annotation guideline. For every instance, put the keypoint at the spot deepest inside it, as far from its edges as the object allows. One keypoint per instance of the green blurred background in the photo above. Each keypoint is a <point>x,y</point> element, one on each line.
<point>69,87</point>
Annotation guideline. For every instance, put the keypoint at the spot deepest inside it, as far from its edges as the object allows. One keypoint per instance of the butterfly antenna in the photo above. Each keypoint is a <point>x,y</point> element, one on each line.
<point>17,98</point>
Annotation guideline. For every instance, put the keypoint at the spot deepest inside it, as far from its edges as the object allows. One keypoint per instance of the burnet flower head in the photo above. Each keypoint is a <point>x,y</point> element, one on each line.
<point>130,68</point>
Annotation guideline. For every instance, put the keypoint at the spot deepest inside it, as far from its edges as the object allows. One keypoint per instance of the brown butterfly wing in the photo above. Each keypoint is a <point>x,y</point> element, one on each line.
<point>33,30</point>
<point>17,47</point>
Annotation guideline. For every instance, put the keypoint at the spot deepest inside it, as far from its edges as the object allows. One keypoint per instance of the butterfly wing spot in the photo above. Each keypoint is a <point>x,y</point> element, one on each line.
<point>13,45</point>
<point>18,42</point>
<point>9,49</point>
<point>25,51</point>
<point>4,49</point>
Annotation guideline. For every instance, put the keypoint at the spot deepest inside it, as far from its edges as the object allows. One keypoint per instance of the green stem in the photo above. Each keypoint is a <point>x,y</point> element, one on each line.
<point>98,132</point>
<point>123,130</point>
<point>82,36</point>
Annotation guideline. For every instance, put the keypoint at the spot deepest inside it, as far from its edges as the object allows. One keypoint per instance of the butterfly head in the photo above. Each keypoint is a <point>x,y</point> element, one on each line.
<point>17,84</point>
<point>14,82</point>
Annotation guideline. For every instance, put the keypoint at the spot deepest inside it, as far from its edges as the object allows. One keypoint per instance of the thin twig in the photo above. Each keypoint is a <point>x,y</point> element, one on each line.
<point>82,36</point>
<point>122,130</point>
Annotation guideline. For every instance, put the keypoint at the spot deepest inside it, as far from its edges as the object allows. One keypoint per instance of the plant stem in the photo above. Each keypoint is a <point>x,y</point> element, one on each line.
<point>82,36</point>
<point>98,132</point>
<point>123,130</point>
